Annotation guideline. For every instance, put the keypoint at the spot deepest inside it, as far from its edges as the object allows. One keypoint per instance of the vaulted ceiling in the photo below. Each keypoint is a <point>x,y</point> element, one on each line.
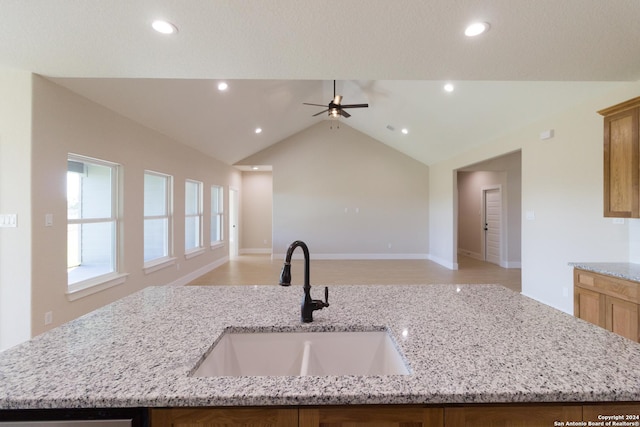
<point>539,57</point>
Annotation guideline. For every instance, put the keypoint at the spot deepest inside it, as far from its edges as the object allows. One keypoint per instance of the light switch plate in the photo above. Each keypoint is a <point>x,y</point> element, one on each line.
<point>8,220</point>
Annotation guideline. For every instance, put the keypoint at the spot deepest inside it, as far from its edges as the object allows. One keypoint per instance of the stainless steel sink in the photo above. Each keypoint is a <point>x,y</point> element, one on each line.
<point>302,354</point>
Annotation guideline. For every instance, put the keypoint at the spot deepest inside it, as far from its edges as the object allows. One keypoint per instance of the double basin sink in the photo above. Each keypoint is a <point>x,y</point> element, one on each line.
<point>302,354</point>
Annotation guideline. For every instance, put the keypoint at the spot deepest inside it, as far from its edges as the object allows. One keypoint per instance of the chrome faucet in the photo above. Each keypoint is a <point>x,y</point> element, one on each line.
<point>308,305</point>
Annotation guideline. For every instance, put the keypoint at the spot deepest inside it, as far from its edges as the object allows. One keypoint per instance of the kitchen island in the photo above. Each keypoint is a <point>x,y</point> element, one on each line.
<point>463,344</point>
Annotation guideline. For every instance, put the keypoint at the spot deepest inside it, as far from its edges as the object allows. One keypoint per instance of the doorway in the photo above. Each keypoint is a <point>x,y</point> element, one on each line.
<point>474,182</point>
<point>233,223</point>
<point>492,224</point>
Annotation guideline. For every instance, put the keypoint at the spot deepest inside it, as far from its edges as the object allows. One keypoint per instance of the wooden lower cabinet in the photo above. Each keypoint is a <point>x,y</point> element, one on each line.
<point>480,415</point>
<point>590,306</point>
<point>511,416</point>
<point>225,417</point>
<point>374,416</point>
<point>622,317</point>
<point>629,413</point>
<point>609,302</point>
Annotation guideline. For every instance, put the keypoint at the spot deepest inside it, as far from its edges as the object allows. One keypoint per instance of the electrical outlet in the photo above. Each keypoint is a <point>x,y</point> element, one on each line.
<point>565,292</point>
<point>48,318</point>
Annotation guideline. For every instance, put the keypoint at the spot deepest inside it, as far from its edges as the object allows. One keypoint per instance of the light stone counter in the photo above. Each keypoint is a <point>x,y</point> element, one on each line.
<point>463,343</point>
<point>623,270</point>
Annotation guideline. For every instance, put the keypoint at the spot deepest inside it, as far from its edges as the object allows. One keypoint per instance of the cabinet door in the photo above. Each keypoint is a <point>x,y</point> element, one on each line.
<point>511,416</point>
<point>621,165</point>
<point>628,412</point>
<point>371,416</point>
<point>622,318</point>
<point>224,417</point>
<point>589,305</point>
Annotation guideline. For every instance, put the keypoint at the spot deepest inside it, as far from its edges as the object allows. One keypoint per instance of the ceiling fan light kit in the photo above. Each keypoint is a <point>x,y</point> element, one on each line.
<point>335,107</point>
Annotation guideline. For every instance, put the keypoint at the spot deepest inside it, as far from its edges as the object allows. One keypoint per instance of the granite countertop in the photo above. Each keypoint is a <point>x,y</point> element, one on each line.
<point>463,343</point>
<point>623,270</point>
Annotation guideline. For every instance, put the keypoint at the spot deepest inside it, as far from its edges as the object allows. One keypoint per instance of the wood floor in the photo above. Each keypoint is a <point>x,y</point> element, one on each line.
<point>261,269</point>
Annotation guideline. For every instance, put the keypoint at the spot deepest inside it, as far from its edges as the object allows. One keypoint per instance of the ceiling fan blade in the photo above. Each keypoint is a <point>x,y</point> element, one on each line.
<point>345,114</point>
<point>355,106</point>
<point>337,99</point>
<point>315,105</point>
<point>317,114</point>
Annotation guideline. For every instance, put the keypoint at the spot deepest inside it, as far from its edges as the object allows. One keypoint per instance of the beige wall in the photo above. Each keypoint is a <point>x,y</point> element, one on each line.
<point>346,195</point>
<point>257,205</point>
<point>15,182</point>
<point>562,181</point>
<point>63,123</point>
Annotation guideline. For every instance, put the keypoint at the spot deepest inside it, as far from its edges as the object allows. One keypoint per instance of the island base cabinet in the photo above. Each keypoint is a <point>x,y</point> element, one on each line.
<point>511,416</point>
<point>224,417</point>
<point>625,413</point>
<point>375,416</point>
<point>479,415</point>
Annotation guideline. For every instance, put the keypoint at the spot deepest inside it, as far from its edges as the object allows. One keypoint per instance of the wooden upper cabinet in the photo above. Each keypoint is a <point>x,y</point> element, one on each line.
<point>622,160</point>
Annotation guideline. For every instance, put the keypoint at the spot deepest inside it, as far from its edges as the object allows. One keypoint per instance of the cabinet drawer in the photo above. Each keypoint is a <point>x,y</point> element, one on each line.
<point>624,289</point>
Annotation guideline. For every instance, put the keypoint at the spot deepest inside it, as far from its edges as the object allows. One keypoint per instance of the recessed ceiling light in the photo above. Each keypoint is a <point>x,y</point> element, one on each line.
<point>476,29</point>
<point>164,27</point>
<point>255,168</point>
<point>222,86</point>
<point>405,131</point>
<point>258,130</point>
<point>449,87</point>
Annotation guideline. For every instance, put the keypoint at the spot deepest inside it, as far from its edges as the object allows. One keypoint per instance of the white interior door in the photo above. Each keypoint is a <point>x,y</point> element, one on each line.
<point>492,206</point>
<point>233,222</point>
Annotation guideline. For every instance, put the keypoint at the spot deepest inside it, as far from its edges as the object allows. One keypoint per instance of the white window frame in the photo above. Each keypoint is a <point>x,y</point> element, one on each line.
<point>199,214</point>
<point>100,282</point>
<point>167,260</point>
<point>217,216</point>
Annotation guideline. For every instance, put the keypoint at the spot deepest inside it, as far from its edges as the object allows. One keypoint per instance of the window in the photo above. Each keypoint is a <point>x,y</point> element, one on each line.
<point>217,214</point>
<point>157,217</point>
<point>193,216</point>
<point>92,222</point>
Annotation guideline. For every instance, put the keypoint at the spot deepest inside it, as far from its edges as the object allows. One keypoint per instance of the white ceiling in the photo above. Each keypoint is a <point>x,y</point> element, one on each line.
<point>539,57</point>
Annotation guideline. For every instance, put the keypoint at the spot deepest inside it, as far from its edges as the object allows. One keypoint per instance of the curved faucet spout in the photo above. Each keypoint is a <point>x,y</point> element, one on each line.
<point>285,275</point>
<point>308,305</point>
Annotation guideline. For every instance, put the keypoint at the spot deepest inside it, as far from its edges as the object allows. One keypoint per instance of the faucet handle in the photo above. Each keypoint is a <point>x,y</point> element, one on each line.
<point>326,296</point>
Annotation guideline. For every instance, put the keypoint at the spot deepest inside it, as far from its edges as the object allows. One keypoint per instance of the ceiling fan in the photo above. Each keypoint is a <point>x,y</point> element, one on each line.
<point>335,108</point>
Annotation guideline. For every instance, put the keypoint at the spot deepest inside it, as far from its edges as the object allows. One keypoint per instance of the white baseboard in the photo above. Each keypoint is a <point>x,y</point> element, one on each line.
<point>511,264</point>
<point>184,280</point>
<point>443,262</point>
<point>254,251</point>
<point>355,256</point>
